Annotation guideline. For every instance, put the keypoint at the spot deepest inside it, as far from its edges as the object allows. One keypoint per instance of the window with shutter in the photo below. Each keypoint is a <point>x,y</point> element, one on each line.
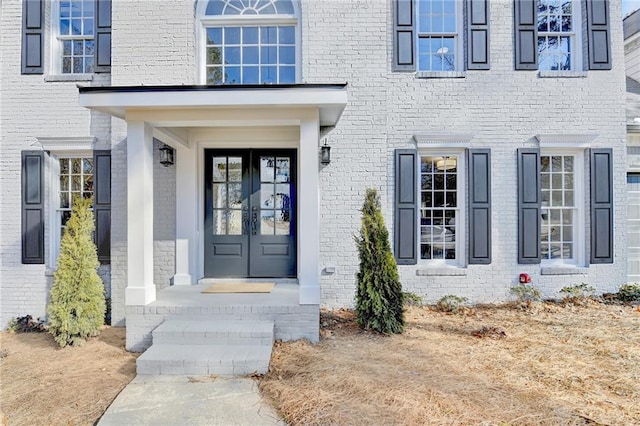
<point>549,34</point>
<point>431,215</point>
<point>428,35</point>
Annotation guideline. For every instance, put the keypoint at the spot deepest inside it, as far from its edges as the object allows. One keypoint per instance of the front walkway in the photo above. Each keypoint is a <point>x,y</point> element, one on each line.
<point>180,400</point>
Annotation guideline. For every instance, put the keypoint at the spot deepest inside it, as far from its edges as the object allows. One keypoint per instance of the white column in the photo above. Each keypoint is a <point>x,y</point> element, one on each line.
<point>309,212</point>
<point>186,215</point>
<point>140,287</point>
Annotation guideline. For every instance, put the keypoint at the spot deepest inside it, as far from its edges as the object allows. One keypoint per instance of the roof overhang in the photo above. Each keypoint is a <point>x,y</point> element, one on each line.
<point>329,99</point>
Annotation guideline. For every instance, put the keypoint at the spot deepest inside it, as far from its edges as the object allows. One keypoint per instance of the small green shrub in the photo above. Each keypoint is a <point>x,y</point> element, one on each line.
<point>629,292</point>
<point>411,299</point>
<point>577,293</point>
<point>526,293</point>
<point>451,303</point>
<point>26,324</point>
<point>77,307</point>
<point>378,292</point>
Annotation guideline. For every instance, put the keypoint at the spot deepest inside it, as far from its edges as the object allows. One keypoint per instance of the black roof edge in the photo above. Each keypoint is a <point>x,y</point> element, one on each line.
<point>205,88</point>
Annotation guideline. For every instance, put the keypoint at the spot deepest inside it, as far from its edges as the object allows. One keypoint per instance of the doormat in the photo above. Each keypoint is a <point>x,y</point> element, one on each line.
<point>240,288</point>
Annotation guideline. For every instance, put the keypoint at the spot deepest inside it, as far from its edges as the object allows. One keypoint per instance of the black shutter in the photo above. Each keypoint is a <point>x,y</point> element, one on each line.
<point>102,204</point>
<point>33,207</point>
<point>479,206</point>
<point>478,34</point>
<point>406,207</point>
<point>403,36</point>
<point>526,34</point>
<point>102,57</point>
<point>528,205</point>
<point>32,36</point>
<point>598,34</point>
<point>601,205</point>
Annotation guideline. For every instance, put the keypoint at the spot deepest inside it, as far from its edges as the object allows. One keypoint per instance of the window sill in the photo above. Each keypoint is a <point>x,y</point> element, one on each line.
<point>441,74</point>
<point>563,270</point>
<point>69,77</point>
<point>562,74</point>
<point>441,271</point>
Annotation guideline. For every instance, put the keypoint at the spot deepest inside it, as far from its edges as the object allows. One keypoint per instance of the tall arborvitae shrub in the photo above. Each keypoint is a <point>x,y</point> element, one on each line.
<point>77,306</point>
<point>379,293</point>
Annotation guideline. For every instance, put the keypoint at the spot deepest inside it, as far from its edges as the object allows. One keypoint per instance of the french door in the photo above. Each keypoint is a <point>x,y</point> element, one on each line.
<point>249,213</point>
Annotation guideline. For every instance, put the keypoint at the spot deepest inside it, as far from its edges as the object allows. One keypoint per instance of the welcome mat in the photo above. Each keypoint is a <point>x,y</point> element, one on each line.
<point>240,288</point>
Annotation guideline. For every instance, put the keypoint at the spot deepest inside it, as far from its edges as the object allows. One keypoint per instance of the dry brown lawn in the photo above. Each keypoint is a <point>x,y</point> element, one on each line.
<point>41,384</point>
<point>549,365</point>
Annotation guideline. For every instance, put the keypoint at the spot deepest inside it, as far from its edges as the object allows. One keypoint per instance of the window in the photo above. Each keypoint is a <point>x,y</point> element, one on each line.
<point>75,180</point>
<point>561,195</point>
<point>438,35</point>
<point>250,42</point>
<point>558,44</point>
<point>75,36</point>
<point>440,217</point>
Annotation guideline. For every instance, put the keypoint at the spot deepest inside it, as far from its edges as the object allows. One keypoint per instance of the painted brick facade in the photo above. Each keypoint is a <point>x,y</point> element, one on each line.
<point>350,42</point>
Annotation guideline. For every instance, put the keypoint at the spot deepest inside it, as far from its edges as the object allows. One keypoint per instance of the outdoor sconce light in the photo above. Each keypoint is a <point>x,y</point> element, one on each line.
<point>166,155</point>
<point>325,153</point>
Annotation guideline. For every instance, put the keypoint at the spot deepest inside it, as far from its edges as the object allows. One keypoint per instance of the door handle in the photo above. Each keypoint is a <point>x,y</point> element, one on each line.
<point>245,218</point>
<point>254,221</point>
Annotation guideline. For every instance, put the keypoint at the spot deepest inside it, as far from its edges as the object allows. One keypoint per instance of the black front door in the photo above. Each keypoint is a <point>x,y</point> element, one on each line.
<point>249,213</point>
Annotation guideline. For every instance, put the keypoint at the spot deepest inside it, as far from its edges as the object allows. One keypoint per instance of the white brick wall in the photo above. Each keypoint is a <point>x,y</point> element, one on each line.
<point>342,41</point>
<point>31,108</point>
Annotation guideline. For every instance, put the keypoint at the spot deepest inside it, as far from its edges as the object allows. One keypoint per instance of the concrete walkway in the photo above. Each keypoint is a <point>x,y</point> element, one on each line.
<point>181,400</point>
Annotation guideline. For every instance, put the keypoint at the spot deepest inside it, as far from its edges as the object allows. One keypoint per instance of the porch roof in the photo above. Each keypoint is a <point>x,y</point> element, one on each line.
<point>329,99</point>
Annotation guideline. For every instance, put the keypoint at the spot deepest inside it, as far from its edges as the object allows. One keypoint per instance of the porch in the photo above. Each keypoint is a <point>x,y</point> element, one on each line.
<point>282,306</point>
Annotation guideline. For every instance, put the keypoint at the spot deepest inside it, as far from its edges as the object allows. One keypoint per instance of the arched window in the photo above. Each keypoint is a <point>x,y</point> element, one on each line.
<point>249,41</point>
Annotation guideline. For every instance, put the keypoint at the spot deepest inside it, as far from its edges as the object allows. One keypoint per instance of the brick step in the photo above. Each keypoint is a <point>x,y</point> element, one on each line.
<point>181,359</point>
<point>214,332</point>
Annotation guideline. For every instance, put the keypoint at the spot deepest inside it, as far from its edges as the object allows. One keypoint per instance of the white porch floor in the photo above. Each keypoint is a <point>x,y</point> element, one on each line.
<point>283,294</point>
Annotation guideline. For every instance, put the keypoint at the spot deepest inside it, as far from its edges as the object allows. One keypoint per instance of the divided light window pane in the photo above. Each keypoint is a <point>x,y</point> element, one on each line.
<point>437,35</point>
<point>251,55</point>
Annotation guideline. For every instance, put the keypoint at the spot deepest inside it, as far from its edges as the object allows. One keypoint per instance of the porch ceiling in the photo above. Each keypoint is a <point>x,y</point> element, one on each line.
<point>120,101</point>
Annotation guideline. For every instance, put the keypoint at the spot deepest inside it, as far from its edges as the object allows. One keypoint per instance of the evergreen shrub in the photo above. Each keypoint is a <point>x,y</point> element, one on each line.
<point>379,297</point>
<point>77,307</point>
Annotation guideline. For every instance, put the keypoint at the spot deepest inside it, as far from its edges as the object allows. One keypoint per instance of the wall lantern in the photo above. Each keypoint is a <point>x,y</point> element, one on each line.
<point>325,153</point>
<point>166,155</point>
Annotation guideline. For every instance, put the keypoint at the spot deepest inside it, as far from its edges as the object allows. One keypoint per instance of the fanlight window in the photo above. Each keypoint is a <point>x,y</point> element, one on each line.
<point>250,42</point>
<point>249,7</point>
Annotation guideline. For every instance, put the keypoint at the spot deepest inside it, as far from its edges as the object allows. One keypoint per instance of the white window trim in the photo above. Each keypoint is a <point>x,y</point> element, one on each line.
<point>242,20</point>
<point>577,38</point>
<point>579,233</point>
<point>56,49</point>
<point>73,146</point>
<point>459,43</point>
<point>461,217</point>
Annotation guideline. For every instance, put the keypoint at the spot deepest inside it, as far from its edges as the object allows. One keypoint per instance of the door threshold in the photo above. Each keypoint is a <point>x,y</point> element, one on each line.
<point>210,281</point>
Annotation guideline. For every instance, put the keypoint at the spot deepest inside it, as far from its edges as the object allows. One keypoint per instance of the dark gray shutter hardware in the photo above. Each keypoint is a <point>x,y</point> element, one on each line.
<point>598,34</point>
<point>33,207</point>
<point>32,36</point>
<point>102,204</point>
<point>479,206</point>
<point>526,34</point>
<point>102,57</point>
<point>478,35</point>
<point>601,182</point>
<point>403,36</point>
<point>529,204</point>
<point>406,207</point>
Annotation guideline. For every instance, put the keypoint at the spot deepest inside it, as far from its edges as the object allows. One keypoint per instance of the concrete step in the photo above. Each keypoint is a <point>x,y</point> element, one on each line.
<point>184,359</point>
<point>214,332</point>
